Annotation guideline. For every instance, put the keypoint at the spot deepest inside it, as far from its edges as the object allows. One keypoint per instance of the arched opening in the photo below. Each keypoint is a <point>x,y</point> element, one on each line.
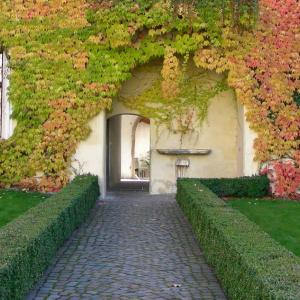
<point>128,152</point>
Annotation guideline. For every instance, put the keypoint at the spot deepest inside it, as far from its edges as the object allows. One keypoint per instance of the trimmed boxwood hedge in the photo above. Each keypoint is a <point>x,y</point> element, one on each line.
<point>247,261</point>
<point>29,243</point>
<point>254,186</point>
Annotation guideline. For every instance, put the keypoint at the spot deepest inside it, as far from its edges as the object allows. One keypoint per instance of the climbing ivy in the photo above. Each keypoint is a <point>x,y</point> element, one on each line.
<point>180,98</point>
<point>69,59</point>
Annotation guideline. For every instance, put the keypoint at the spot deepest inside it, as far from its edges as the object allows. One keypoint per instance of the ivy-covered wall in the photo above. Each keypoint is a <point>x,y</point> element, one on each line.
<point>69,58</point>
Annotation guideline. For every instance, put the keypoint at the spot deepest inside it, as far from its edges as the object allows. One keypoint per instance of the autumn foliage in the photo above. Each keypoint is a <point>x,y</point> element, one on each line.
<point>272,72</point>
<point>69,58</point>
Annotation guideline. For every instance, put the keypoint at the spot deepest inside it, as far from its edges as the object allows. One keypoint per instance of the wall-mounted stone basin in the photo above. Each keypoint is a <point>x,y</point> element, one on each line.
<point>184,151</point>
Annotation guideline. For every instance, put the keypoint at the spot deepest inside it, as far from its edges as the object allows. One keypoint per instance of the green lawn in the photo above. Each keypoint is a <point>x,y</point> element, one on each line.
<point>279,218</point>
<point>14,203</point>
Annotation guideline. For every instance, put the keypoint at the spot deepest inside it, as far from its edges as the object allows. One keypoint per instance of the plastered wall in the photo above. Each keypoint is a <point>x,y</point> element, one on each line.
<point>142,141</point>
<point>7,123</point>
<point>90,156</point>
<point>127,122</point>
<point>219,133</point>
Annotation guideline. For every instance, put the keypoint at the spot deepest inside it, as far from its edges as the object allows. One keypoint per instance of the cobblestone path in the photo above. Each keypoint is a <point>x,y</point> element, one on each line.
<point>134,246</point>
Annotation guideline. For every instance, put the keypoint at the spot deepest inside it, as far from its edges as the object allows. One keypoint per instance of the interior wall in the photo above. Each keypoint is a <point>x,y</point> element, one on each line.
<point>127,123</point>
<point>141,134</point>
<point>142,141</point>
<point>114,150</point>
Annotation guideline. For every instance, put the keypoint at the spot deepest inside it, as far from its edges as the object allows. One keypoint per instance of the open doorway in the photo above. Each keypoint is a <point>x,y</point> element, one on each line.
<point>128,153</point>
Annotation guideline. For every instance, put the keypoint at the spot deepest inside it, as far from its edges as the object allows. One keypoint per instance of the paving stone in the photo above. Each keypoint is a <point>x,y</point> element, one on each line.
<point>133,246</point>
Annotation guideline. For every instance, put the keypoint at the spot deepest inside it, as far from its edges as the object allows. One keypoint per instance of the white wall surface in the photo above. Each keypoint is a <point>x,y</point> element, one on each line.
<point>8,125</point>
<point>127,122</point>
<point>250,166</point>
<point>90,156</point>
<point>142,140</point>
<point>219,133</point>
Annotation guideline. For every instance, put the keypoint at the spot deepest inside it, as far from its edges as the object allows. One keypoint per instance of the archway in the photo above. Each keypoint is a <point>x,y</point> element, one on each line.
<point>128,152</point>
<point>225,133</point>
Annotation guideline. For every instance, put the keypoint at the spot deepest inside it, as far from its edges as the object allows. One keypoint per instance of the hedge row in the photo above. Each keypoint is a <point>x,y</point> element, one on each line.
<point>254,186</point>
<point>29,243</point>
<point>247,261</point>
